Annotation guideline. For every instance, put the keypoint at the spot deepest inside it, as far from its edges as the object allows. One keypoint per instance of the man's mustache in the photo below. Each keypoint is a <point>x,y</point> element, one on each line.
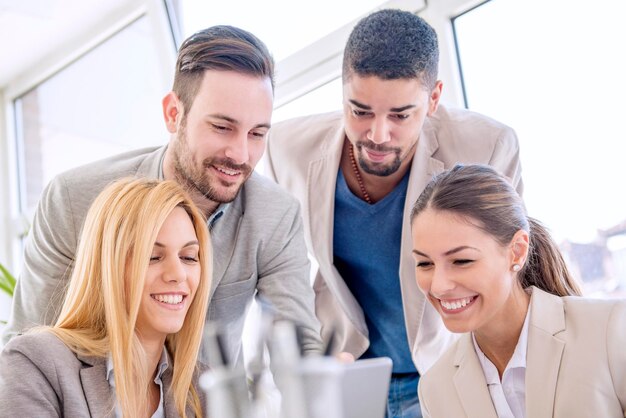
<point>228,164</point>
<point>375,147</point>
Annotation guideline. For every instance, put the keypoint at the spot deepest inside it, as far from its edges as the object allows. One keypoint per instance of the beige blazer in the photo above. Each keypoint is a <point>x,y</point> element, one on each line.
<point>303,156</point>
<point>41,377</point>
<point>575,365</point>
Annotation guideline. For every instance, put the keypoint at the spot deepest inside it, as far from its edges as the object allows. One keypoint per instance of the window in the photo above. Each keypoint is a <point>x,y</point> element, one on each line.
<point>555,72</point>
<point>307,47</point>
<point>283,36</point>
<point>323,99</point>
<point>104,103</point>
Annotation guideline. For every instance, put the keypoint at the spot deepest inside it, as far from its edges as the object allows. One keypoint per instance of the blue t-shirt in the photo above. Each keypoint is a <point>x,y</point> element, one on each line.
<point>366,245</point>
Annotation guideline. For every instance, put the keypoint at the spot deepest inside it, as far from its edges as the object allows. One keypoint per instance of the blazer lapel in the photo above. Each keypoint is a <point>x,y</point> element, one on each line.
<point>545,350</point>
<point>224,237</point>
<point>169,407</point>
<point>469,381</point>
<point>321,185</point>
<point>98,392</point>
<point>423,167</point>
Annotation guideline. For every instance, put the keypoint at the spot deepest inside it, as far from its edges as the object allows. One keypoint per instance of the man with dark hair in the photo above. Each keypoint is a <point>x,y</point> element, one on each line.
<point>357,175</point>
<point>218,115</point>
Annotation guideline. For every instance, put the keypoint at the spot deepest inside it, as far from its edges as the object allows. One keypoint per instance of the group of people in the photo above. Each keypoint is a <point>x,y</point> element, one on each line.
<point>412,211</point>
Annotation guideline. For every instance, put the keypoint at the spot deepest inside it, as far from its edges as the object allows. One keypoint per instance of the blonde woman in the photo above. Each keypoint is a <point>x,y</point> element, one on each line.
<point>531,346</point>
<point>128,335</point>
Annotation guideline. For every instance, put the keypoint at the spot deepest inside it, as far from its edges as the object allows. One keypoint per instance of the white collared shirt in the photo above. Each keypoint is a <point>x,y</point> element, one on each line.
<point>163,365</point>
<point>509,395</point>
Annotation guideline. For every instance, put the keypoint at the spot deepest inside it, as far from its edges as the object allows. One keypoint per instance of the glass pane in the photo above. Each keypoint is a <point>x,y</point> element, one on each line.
<point>104,103</point>
<point>555,73</point>
<point>325,98</point>
<point>307,22</point>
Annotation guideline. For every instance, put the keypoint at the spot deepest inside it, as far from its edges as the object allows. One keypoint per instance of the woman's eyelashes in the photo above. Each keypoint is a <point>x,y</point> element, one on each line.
<point>186,258</point>
<point>456,262</point>
<point>189,258</point>
<point>423,264</point>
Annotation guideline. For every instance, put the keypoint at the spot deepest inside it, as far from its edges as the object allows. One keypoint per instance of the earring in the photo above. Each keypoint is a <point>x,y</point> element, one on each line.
<point>516,267</point>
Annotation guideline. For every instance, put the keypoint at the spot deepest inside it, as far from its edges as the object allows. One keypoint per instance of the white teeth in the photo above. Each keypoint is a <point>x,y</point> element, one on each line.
<point>226,171</point>
<point>455,304</point>
<point>169,299</point>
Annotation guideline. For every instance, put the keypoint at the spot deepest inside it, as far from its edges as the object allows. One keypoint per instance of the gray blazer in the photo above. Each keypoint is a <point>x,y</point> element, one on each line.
<point>41,377</point>
<point>258,246</point>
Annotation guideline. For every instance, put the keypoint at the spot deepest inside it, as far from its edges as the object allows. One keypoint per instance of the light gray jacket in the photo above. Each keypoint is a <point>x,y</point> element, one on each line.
<point>41,377</point>
<point>258,246</point>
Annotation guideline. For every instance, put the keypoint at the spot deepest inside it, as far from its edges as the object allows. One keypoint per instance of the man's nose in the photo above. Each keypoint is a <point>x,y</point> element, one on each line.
<point>237,149</point>
<point>380,131</point>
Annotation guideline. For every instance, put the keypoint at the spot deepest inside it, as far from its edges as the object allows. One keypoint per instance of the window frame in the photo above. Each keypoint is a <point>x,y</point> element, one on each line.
<point>12,212</point>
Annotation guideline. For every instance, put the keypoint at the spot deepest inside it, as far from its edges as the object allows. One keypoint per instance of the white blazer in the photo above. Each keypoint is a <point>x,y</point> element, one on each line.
<point>303,156</point>
<point>575,365</point>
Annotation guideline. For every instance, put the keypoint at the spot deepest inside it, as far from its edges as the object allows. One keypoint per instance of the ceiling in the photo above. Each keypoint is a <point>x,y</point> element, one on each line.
<point>32,31</point>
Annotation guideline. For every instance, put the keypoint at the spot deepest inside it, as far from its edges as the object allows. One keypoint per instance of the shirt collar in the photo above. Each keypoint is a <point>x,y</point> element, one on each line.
<point>519,355</point>
<point>518,360</point>
<point>163,365</point>
<point>215,216</point>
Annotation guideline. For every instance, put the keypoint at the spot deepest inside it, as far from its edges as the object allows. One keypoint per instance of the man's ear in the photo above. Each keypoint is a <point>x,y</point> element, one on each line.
<point>172,111</point>
<point>435,95</point>
<point>520,245</point>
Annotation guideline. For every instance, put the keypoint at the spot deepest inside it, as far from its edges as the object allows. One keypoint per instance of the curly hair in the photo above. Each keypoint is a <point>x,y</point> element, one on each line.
<point>392,44</point>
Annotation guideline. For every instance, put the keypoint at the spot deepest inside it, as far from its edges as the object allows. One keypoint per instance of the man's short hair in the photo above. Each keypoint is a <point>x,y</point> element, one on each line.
<point>222,48</point>
<point>392,44</point>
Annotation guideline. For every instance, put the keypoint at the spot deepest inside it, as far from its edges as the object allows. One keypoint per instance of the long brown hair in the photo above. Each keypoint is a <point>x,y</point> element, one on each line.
<point>479,193</point>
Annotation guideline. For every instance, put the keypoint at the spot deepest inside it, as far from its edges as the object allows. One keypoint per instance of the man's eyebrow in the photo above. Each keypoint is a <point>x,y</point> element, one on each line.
<point>393,109</point>
<point>224,117</point>
<point>361,105</point>
<point>401,109</point>
<point>236,122</point>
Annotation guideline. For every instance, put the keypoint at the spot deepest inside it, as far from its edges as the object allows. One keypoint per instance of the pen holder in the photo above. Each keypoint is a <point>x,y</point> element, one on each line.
<point>321,384</point>
<point>227,393</point>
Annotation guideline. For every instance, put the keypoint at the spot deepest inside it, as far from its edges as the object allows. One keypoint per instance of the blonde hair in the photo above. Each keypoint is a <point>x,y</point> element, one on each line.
<point>100,310</point>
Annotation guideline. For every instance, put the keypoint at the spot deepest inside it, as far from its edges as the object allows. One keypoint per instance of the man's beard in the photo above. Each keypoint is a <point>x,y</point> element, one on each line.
<point>195,177</point>
<point>378,169</point>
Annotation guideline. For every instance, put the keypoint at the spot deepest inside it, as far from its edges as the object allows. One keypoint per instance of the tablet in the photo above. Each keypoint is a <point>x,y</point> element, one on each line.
<point>365,385</point>
<point>318,387</point>
<point>331,389</point>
